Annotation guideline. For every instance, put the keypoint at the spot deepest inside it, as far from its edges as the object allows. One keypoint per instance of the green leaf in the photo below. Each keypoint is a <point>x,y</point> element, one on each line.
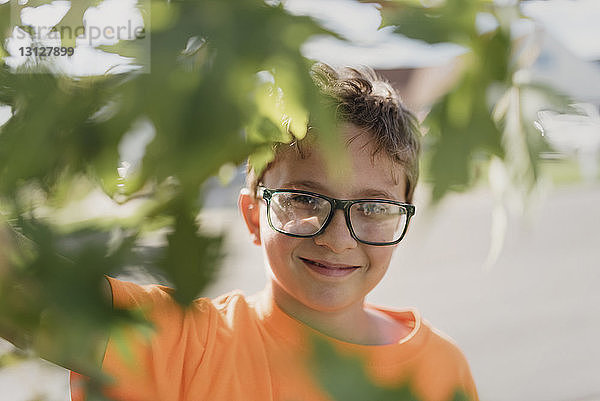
<point>192,259</point>
<point>344,377</point>
<point>452,21</point>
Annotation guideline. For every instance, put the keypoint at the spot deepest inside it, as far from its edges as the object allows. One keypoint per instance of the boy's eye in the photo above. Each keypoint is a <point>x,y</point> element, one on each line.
<point>303,201</point>
<point>377,209</point>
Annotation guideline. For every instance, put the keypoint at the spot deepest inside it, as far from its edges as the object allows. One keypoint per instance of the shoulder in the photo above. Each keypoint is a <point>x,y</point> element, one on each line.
<point>440,350</point>
<point>157,304</point>
<point>234,309</point>
<point>441,342</point>
<point>434,356</point>
<point>420,333</point>
<point>202,322</point>
<point>127,295</point>
<point>443,361</point>
<point>158,301</point>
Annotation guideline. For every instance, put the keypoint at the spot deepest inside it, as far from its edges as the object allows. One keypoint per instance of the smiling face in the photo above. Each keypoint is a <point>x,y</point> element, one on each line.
<point>332,271</point>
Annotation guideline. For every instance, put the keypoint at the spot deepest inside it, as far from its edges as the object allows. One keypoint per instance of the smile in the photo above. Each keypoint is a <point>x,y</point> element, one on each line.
<point>329,269</point>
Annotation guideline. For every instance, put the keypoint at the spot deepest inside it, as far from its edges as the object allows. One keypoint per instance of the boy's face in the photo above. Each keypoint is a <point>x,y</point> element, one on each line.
<point>354,268</point>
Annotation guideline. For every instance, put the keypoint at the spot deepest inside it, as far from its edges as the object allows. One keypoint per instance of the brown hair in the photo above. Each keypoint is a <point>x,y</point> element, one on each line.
<point>361,97</point>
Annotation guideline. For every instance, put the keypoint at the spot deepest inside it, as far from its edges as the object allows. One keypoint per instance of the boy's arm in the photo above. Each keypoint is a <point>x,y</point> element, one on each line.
<point>21,337</point>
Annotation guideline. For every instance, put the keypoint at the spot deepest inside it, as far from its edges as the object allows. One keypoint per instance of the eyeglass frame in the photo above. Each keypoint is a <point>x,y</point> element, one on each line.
<point>342,204</point>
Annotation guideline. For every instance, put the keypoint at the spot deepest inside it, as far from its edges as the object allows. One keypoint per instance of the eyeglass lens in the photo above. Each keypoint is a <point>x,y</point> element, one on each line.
<point>298,214</point>
<point>378,221</point>
<point>305,214</point>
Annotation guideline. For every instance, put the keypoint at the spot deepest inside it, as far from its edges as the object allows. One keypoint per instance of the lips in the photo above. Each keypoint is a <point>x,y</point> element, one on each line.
<point>329,268</point>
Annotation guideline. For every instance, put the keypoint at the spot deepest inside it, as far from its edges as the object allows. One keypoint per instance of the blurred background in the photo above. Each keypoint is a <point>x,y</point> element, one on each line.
<point>514,280</point>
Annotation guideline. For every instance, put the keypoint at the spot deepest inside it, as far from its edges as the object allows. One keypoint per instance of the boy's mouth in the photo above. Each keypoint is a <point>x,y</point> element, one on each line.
<point>328,268</point>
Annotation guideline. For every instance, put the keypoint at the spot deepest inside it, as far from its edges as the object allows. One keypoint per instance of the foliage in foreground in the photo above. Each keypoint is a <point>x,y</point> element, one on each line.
<point>204,106</point>
<point>489,112</point>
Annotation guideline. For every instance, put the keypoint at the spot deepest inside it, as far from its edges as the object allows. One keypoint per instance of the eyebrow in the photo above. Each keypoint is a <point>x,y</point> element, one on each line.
<point>316,187</point>
<point>376,193</point>
<point>312,185</point>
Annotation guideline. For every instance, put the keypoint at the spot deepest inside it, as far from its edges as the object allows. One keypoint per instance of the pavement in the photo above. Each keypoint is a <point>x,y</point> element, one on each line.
<point>529,324</point>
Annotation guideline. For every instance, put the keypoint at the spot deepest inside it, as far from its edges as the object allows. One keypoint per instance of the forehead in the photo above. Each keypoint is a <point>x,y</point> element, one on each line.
<point>351,170</point>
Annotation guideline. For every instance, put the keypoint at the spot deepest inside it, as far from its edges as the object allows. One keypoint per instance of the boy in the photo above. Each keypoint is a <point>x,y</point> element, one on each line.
<point>327,233</point>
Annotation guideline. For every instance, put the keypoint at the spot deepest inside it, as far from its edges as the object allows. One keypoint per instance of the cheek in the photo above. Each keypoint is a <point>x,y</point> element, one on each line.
<point>276,246</point>
<point>380,256</point>
<point>379,259</point>
<point>266,232</point>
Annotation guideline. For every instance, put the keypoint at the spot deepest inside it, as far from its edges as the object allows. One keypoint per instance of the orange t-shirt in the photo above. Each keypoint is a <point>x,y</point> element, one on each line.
<point>237,348</point>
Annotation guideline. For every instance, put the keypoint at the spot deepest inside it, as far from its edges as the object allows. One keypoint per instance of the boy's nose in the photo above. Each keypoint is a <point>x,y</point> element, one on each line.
<point>337,235</point>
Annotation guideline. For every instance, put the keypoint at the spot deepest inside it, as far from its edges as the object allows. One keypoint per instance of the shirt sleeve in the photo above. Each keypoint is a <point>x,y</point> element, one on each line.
<point>148,364</point>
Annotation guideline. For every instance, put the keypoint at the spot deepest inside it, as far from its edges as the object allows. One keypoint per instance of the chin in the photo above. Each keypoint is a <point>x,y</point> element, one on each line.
<point>328,299</point>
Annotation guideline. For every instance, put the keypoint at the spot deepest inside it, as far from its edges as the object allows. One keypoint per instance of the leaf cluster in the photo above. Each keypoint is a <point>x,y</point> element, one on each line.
<point>203,100</point>
<point>224,81</point>
<point>469,125</point>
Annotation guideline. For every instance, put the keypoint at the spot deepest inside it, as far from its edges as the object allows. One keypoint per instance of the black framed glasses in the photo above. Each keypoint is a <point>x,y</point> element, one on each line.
<point>305,214</point>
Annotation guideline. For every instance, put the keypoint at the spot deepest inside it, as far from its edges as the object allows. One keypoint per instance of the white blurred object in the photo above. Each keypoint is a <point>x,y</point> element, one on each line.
<point>572,22</point>
<point>575,134</point>
<point>367,43</point>
<point>133,144</point>
<point>5,114</point>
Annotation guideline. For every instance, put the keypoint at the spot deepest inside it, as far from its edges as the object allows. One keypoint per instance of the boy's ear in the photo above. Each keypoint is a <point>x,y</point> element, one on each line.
<point>250,209</point>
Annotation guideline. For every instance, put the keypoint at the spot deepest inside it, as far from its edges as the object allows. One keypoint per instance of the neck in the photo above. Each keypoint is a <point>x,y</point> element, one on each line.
<point>352,323</point>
